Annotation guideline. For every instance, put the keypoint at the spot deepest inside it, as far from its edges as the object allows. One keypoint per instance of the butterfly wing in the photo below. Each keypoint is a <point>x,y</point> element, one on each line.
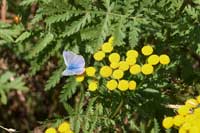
<point>72,59</point>
<point>68,72</point>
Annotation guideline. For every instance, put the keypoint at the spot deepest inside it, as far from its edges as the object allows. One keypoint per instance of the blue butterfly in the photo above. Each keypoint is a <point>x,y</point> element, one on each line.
<point>75,64</point>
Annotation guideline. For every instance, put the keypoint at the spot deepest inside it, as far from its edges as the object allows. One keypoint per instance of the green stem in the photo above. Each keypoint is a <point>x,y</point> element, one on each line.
<point>118,107</point>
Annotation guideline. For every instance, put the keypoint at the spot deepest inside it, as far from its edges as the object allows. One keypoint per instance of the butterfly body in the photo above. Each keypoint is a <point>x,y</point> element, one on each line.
<point>75,64</point>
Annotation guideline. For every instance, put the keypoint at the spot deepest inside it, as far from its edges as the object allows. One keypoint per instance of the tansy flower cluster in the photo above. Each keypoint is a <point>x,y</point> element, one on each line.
<point>62,128</point>
<point>187,119</point>
<point>119,70</point>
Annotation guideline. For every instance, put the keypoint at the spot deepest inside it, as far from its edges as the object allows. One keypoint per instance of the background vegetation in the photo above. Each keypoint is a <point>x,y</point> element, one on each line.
<point>33,93</point>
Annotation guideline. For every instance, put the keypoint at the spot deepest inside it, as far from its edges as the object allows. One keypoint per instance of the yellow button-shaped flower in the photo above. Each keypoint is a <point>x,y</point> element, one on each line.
<point>98,56</point>
<point>123,85</point>
<point>147,50</point>
<point>131,60</point>
<point>164,59</point>
<point>51,130</point>
<point>198,99</point>
<point>132,85</point>
<point>64,127</point>
<point>135,69</point>
<point>123,65</point>
<point>117,74</point>
<point>80,78</point>
<point>93,86</point>
<point>107,47</point>
<point>111,85</point>
<point>114,57</point>
<point>110,40</point>
<point>167,122</point>
<point>105,71</point>
<point>147,69</point>
<point>90,71</point>
<point>183,110</point>
<point>114,65</point>
<point>192,103</point>
<point>182,130</point>
<point>179,120</point>
<point>197,111</point>
<point>132,53</point>
<point>153,59</point>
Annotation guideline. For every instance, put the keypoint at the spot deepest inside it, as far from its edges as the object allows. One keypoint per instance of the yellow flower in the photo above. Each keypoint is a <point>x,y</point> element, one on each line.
<point>107,47</point>
<point>198,99</point>
<point>111,85</point>
<point>194,129</point>
<point>110,40</point>
<point>147,50</point>
<point>182,130</point>
<point>123,85</point>
<point>131,60</point>
<point>147,69</point>
<point>93,86</point>
<point>197,111</point>
<point>105,71</point>
<point>64,127</point>
<point>135,69</point>
<point>191,103</point>
<point>183,110</point>
<point>118,74</point>
<point>114,65</point>
<point>90,71</point>
<point>153,59</point>
<point>114,57</point>
<point>167,122</point>
<point>132,53</point>
<point>51,130</point>
<point>179,120</point>
<point>132,85</point>
<point>164,59</point>
<point>80,78</point>
<point>123,65</point>
<point>98,56</point>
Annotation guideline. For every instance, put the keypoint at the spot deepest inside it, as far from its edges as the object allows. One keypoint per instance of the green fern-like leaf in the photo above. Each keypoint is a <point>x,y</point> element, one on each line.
<point>68,90</point>
<point>41,45</point>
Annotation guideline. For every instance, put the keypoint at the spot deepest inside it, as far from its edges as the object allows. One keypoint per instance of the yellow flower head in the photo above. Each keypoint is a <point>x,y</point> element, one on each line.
<point>107,47</point>
<point>131,60</point>
<point>135,69</point>
<point>197,111</point>
<point>114,65</point>
<point>51,130</point>
<point>191,103</point>
<point>183,110</point>
<point>179,120</point>
<point>80,78</point>
<point>164,59</point>
<point>198,99</point>
<point>147,50</point>
<point>90,71</point>
<point>117,74</point>
<point>105,71</point>
<point>153,59</point>
<point>110,40</point>
<point>123,65</point>
<point>147,69</point>
<point>93,86</point>
<point>123,85</point>
<point>64,127</point>
<point>167,122</point>
<point>132,85</point>
<point>114,57</point>
<point>98,56</point>
<point>132,53</point>
<point>111,85</point>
